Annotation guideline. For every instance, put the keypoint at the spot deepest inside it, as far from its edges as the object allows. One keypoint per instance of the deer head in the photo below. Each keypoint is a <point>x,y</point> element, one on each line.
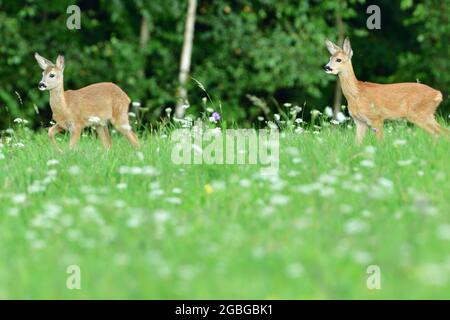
<point>52,76</point>
<point>340,58</point>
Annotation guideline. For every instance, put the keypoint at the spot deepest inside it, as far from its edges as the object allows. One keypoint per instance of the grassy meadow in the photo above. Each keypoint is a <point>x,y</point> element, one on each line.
<point>139,226</point>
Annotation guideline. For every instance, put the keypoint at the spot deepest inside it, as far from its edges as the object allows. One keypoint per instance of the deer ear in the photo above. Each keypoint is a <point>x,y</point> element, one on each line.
<point>332,48</point>
<point>60,62</point>
<point>348,48</point>
<point>43,63</point>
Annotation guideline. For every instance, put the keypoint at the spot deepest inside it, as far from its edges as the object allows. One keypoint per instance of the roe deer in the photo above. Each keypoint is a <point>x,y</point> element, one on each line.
<point>94,105</point>
<point>370,104</point>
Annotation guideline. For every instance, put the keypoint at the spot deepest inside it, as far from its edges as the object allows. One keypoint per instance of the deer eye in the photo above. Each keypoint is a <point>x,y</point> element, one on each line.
<point>52,75</point>
<point>338,60</point>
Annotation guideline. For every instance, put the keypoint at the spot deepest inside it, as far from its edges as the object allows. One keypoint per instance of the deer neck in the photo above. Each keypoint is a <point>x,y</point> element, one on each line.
<point>58,101</point>
<point>349,83</point>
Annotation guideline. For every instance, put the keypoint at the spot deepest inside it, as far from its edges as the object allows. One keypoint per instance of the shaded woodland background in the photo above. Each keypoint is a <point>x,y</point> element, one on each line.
<point>273,50</point>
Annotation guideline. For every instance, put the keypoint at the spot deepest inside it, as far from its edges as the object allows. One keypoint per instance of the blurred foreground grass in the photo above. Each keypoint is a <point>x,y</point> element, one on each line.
<point>139,226</point>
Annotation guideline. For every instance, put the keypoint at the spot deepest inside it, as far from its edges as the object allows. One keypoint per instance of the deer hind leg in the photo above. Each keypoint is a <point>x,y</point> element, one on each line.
<point>123,126</point>
<point>426,119</point>
<point>437,128</point>
<point>427,123</point>
<point>121,122</point>
<point>52,131</point>
<point>104,136</point>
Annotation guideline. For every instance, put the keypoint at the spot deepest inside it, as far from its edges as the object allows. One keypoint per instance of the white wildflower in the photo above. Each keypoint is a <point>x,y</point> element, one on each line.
<point>404,163</point>
<point>173,200</point>
<point>18,145</point>
<point>52,162</point>
<point>279,199</point>
<point>367,163</point>
<point>177,190</point>
<point>355,226</point>
<point>121,186</point>
<point>370,149</point>
<point>245,183</point>
<point>340,117</point>
<point>386,183</point>
<point>20,120</point>
<point>19,198</point>
<point>328,112</point>
<point>161,216</point>
<point>74,170</point>
<point>400,142</point>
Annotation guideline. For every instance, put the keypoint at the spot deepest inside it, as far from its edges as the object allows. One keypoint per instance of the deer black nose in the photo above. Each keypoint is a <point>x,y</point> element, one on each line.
<point>42,85</point>
<point>327,68</point>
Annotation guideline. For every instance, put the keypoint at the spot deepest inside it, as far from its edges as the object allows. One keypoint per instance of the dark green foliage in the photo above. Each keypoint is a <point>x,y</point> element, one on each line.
<point>270,49</point>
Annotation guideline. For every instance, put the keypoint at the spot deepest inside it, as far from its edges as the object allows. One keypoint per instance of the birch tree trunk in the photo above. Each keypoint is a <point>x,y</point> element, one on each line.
<point>337,90</point>
<point>144,38</point>
<point>185,61</point>
<point>144,34</point>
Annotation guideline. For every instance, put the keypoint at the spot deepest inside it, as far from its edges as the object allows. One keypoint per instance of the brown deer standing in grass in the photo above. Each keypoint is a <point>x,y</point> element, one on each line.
<point>370,104</point>
<point>94,105</point>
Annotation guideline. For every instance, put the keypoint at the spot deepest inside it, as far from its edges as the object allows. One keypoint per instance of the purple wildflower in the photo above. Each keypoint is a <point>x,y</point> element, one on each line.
<point>216,116</point>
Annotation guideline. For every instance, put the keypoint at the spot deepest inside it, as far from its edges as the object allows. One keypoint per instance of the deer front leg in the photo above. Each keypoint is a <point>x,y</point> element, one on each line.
<point>52,131</point>
<point>75,133</point>
<point>361,129</point>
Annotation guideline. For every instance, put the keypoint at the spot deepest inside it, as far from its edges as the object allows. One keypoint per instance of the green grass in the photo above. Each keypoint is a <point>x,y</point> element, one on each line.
<point>311,233</point>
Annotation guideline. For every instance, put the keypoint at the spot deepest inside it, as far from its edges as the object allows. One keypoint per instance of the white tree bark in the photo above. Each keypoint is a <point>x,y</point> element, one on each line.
<point>337,90</point>
<point>185,62</point>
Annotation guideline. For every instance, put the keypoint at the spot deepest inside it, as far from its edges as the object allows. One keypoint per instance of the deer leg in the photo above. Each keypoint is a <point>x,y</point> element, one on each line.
<point>361,129</point>
<point>104,136</point>
<point>107,135</point>
<point>424,124</point>
<point>125,129</point>
<point>75,134</point>
<point>52,131</point>
<point>378,129</point>
<point>438,129</point>
<point>123,126</point>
